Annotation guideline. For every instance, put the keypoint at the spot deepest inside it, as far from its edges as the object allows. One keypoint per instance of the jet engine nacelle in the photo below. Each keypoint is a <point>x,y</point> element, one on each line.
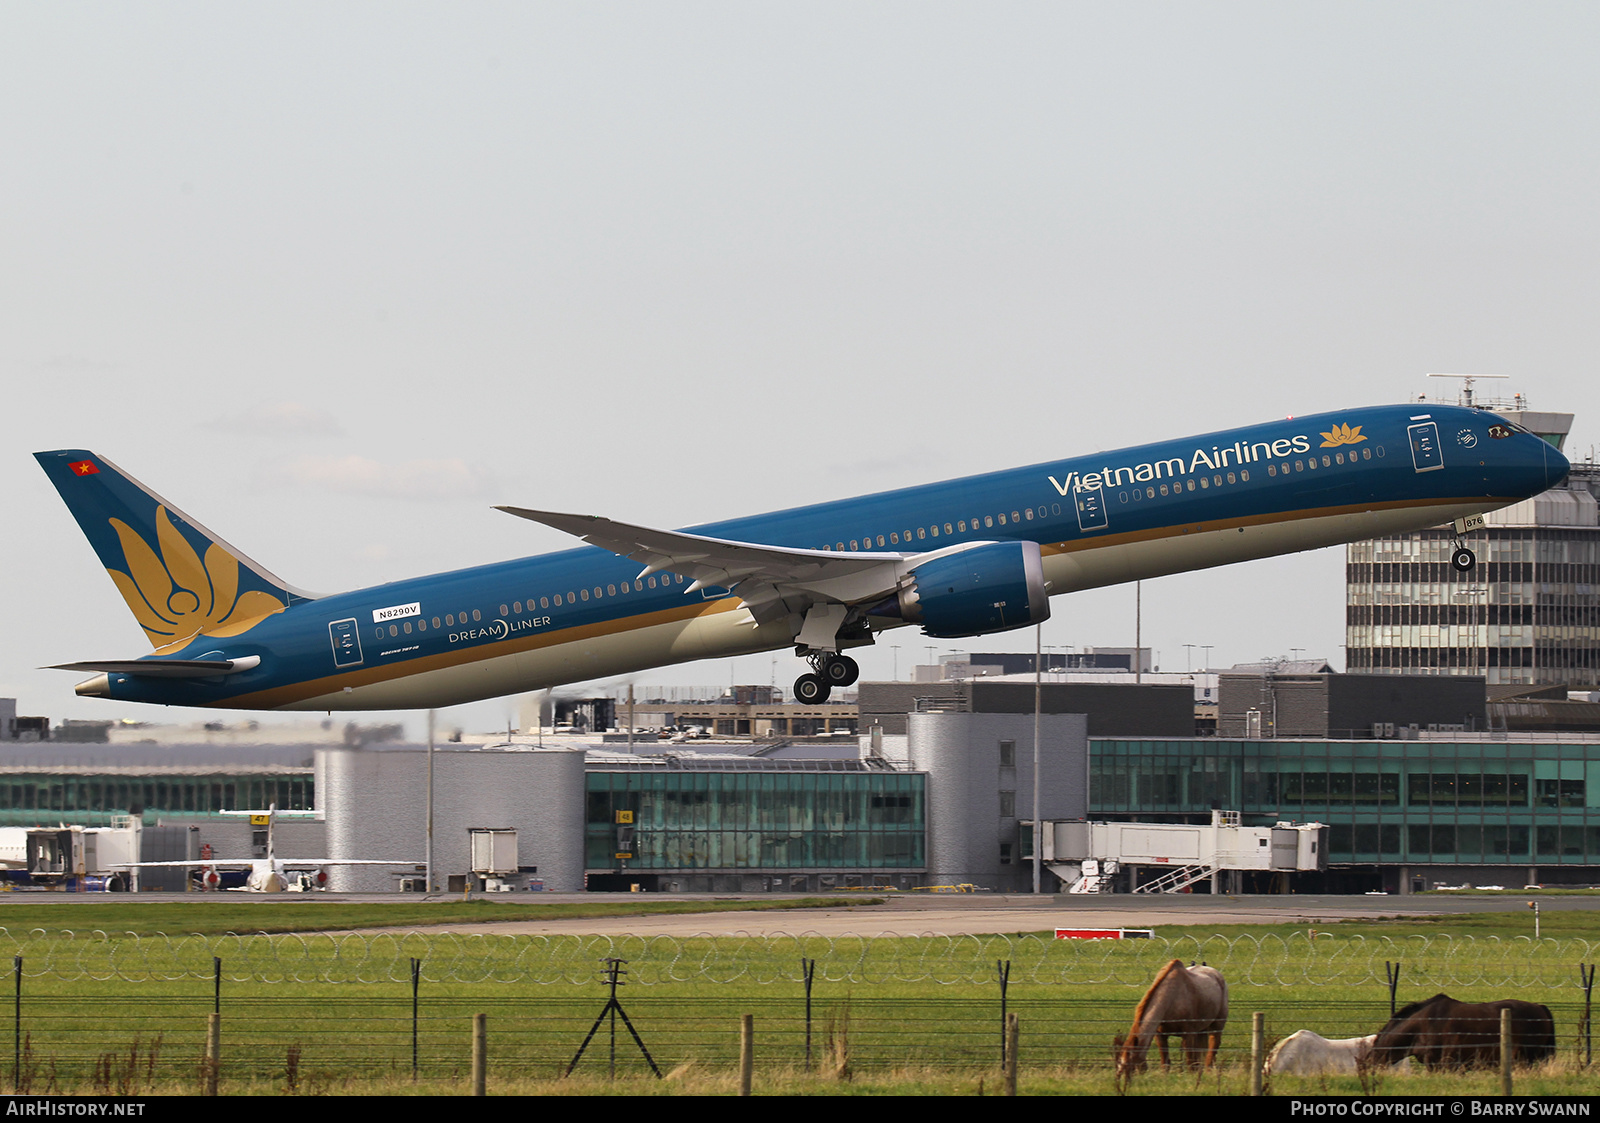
<point>988,587</point>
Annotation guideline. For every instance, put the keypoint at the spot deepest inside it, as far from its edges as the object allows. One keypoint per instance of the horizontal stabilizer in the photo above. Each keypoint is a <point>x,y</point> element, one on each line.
<point>165,668</point>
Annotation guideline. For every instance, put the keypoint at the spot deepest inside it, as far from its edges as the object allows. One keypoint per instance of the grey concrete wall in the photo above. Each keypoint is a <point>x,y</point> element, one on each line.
<point>376,805</point>
<point>961,754</point>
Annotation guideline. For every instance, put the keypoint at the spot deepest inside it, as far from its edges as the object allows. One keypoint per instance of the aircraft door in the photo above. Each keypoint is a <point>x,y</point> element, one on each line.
<point>1091,508</point>
<point>1426,456</point>
<point>346,643</point>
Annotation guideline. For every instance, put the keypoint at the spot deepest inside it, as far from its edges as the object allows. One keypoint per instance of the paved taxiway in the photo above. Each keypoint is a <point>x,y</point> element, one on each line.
<point>915,914</point>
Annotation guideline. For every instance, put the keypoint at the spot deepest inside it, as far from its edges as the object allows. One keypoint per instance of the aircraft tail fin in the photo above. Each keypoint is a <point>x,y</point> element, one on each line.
<point>178,578</point>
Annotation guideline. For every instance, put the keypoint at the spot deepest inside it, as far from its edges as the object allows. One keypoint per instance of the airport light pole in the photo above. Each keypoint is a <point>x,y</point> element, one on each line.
<point>427,877</point>
<point>1038,688</point>
<point>1138,631</point>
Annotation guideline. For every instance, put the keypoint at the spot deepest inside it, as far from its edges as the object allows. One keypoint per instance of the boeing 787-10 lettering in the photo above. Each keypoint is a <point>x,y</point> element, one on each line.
<point>962,558</point>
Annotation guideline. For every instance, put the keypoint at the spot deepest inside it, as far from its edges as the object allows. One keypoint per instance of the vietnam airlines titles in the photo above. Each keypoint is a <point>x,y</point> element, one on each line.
<point>961,558</point>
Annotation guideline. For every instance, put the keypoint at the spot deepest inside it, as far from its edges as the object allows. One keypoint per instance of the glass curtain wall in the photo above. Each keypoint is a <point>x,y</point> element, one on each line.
<point>758,820</point>
<point>1529,613</point>
<point>91,800</point>
<point>1385,801</point>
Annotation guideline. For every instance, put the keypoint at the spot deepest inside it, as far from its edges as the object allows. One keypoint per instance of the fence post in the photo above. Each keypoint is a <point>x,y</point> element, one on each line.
<point>1391,972</point>
<point>1003,970</point>
<point>809,967</point>
<point>1586,980</point>
<point>480,1054</point>
<point>16,1028</point>
<point>1011,1054</point>
<point>216,984</point>
<point>213,1062</point>
<point>416,978</point>
<point>1505,1051</point>
<point>747,1052</point>
<point>1258,1041</point>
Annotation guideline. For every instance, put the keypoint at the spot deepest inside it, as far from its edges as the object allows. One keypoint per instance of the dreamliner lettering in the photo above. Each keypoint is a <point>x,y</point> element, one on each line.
<point>499,629</point>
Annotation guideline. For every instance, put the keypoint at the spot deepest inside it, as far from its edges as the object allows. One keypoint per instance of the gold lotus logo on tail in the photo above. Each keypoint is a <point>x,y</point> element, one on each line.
<point>1342,435</point>
<point>174,595</point>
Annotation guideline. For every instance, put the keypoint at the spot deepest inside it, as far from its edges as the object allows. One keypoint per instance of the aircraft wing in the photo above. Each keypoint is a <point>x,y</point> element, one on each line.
<point>248,863</point>
<point>198,863</point>
<point>773,581</point>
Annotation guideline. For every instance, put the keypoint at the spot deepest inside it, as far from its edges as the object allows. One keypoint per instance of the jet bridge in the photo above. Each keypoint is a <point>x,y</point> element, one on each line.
<point>1088,856</point>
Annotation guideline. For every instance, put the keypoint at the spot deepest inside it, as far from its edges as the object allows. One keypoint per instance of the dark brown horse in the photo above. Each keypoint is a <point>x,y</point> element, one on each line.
<point>1186,1002</point>
<point>1444,1033</point>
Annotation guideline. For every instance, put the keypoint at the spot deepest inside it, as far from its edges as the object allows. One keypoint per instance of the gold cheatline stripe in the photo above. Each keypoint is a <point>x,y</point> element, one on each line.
<point>367,676</point>
<point>1176,529</point>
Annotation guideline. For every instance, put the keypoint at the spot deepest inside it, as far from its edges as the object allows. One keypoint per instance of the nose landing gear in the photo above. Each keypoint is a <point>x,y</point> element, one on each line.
<point>1463,559</point>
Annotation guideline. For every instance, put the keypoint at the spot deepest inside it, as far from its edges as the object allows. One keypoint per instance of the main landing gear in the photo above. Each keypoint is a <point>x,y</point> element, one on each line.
<point>829,670</point>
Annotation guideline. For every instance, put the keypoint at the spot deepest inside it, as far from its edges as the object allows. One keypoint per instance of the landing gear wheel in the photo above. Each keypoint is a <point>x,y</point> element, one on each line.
<point>1463,559</point>
<point>811,690</point>
<point>840,671</point>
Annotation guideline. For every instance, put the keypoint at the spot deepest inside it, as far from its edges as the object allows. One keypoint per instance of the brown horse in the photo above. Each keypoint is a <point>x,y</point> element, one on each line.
<point>1187,1002</point>
<point>1444,1033</point>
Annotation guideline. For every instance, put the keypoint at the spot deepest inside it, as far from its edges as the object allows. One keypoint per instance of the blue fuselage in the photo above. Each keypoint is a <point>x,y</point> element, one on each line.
<point>1137,512</point>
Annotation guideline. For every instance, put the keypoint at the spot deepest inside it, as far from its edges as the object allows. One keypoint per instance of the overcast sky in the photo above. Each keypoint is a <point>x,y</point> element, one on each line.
<point>335,278</point>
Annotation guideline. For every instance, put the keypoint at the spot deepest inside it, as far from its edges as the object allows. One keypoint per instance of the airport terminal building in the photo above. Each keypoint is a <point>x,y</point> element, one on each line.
<point>946,801</point>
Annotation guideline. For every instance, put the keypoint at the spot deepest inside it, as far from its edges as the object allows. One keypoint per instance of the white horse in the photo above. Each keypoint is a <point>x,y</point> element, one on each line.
<point>1304,1053</point>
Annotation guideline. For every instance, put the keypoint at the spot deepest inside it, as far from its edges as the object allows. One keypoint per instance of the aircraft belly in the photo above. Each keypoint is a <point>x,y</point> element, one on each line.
<point>719,634</point>
<point>1178,552</point>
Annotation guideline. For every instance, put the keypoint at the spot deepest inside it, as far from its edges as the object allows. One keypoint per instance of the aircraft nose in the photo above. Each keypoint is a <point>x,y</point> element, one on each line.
<point>1556,465</point>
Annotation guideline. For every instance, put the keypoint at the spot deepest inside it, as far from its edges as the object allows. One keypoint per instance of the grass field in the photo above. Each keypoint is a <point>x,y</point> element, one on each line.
<point>109,1011</point>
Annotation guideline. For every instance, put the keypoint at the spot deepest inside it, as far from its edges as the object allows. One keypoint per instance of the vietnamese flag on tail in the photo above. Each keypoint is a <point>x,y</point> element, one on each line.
<point>84,467</point>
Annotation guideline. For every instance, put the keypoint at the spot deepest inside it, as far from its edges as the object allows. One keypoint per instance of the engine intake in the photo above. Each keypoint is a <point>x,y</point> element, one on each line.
<point>988,587</point>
